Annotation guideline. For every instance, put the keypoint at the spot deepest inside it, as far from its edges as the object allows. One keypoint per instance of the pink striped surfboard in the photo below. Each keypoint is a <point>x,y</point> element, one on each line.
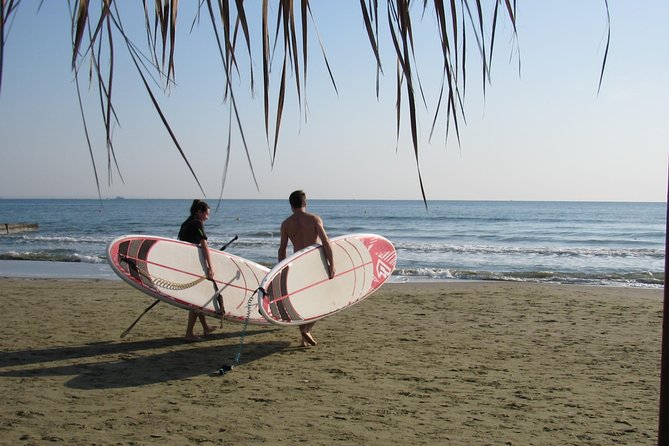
<point>298,291</point>
<point>175,272</point>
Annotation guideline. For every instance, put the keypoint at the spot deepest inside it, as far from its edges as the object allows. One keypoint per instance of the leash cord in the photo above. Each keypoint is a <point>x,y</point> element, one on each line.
<point>244,329</point>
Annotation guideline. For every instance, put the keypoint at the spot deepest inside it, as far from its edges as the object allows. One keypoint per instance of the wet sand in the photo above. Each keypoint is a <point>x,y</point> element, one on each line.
<point>446,363</point>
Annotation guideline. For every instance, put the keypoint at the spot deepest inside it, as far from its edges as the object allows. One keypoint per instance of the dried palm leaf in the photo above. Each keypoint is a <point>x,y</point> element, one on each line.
<point>455,21</point>
<point>7,10</point>
<point>608,41</point>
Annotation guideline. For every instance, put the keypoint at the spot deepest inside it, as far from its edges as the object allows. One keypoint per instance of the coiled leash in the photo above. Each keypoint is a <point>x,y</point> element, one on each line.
<point>228,367</point>
<point>160,282</point>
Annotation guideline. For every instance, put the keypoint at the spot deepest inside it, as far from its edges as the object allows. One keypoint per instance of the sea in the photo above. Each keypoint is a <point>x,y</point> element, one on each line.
<point>588,243</point>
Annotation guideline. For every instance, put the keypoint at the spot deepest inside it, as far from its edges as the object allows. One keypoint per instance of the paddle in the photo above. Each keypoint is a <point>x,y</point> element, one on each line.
<point>229,243</point>
<point>127,330</point>
<point>218,297</point>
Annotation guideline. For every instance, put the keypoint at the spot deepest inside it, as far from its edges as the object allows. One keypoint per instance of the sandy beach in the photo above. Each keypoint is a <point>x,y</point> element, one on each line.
<point>471,363</point>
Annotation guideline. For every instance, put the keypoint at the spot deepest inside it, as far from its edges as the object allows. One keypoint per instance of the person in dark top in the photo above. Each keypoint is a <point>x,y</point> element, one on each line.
<point>192,231</point>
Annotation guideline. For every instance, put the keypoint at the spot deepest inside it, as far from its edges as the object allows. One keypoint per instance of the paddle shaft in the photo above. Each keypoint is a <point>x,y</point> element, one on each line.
<point>218,297</point>
<point>229,243</point>
<point>123,335</point>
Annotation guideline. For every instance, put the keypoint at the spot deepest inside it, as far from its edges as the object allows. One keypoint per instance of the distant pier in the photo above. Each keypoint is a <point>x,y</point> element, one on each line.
<point>16,228</point>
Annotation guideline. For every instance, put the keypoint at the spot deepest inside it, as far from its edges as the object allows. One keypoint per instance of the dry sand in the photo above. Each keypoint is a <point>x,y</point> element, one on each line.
<point>448,364</point>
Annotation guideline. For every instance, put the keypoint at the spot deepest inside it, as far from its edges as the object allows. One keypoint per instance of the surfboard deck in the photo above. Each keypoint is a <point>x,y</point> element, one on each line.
<point>175,272</point>
<point>298,290</point>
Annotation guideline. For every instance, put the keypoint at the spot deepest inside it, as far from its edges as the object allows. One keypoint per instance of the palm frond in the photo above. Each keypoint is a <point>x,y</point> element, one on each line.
<point>372,31</point>
<point>7,10</point>
<point>608,41</point>
<point>88,139</point>
<point>325,58</point>
<point>456,22</point>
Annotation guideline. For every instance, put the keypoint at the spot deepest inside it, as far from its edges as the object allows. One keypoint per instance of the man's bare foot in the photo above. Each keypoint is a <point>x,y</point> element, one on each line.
<point>192,338</point>
<point>209,330</point>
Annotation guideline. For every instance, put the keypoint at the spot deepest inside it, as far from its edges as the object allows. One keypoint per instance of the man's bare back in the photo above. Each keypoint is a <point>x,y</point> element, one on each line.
<point>304,229</point>
<point>301,229</point>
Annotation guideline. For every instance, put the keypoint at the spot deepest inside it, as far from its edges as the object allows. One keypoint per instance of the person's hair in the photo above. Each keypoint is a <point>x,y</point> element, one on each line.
<point>198,206</point>
<point>298,199</point>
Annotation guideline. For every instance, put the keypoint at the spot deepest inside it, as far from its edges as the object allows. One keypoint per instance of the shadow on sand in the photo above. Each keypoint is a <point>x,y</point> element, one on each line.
<point>135,364</point>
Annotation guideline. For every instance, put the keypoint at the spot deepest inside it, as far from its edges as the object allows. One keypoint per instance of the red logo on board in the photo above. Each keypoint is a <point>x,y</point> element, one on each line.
<point>384,259</point>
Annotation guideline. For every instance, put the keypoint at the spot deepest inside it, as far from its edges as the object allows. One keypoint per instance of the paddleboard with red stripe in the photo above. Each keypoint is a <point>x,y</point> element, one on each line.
<point>298,291</point>
<point>175,272</point>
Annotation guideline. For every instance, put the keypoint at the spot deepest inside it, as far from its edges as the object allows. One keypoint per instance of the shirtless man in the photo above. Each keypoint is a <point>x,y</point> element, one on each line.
<point>304,229</point>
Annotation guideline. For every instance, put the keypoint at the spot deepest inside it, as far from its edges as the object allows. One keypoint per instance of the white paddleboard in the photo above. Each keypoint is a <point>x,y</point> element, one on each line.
<point>175,272</point>
<point>298,290</point>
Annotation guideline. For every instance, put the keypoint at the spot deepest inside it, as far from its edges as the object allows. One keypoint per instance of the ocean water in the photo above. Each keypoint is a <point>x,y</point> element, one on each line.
<point>595,243</point>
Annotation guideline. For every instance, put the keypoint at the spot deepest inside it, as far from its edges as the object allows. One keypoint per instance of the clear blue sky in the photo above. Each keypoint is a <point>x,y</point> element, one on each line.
<point>542,135</point>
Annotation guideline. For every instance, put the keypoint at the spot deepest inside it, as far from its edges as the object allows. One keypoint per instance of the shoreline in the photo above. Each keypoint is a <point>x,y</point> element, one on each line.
<point>455,363</point>
<point>40,269</point>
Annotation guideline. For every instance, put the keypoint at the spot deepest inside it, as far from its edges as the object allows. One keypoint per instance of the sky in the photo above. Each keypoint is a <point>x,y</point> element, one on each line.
<point>541,133</point>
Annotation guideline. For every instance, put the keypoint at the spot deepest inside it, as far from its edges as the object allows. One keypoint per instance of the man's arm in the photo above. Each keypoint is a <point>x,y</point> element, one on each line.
<point>283,245</point>
<point>327,249</point>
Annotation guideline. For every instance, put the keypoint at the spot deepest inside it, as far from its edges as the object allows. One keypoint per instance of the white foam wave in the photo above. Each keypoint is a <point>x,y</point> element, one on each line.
<point>428,248</point>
